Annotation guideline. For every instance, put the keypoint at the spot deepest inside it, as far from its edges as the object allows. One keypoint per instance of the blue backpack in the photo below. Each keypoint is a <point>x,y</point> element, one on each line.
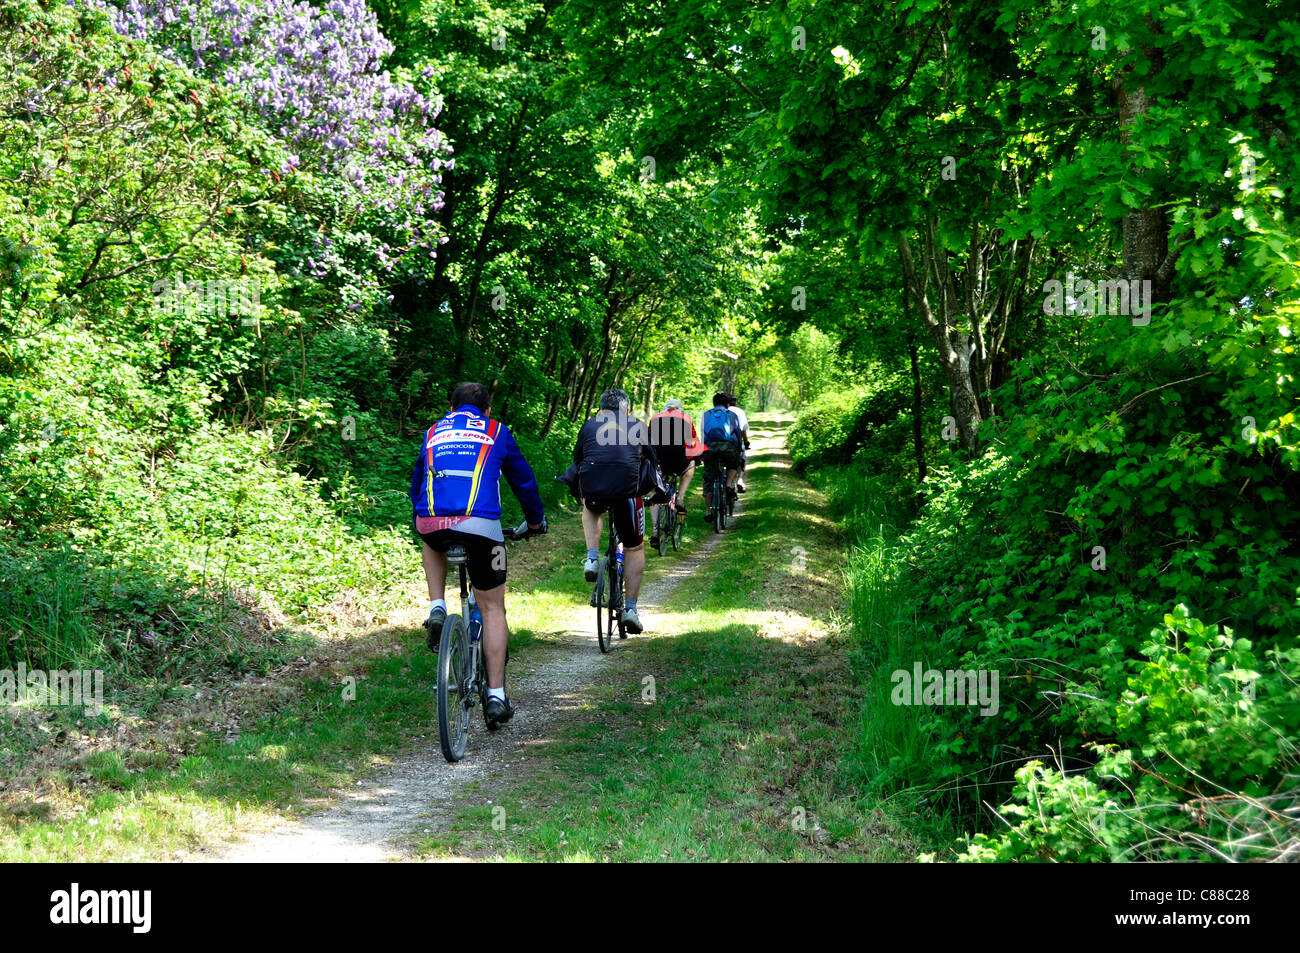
<point>718,425</point>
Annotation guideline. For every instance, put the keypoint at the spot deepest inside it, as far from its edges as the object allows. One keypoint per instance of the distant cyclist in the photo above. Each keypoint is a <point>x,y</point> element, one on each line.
<point>455,494</point>
<point>608,453</point>
<point>744,436</point>
<point>672,434</point>
<point>720,430</point>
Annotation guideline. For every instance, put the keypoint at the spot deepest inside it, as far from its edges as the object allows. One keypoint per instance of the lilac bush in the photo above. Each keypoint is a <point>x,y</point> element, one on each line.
<point>314,75</point>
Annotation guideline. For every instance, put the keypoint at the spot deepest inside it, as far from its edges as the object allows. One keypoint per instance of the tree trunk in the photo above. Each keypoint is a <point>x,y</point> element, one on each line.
<point>1146,229</point>
<point>955,347</point>
<point>917,444</point>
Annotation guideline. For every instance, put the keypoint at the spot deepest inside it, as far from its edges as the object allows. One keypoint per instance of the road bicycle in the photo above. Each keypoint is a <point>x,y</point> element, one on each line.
<point>462,666</point>
<point>669,525</point>
<point>608,596</point>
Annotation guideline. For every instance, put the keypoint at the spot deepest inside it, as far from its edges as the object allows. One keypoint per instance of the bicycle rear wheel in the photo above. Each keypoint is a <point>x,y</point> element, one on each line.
<point>604,634</point>
<point>675,530</point>
<point>720,506</point>
<point>455,687</point>
<point>662,529</point>
<point>616,604</point>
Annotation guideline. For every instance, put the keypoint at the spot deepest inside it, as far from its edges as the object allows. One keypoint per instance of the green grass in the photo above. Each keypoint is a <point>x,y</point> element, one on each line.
<point>740,754</point>
<point>299,738</point>
<point>892,754</point>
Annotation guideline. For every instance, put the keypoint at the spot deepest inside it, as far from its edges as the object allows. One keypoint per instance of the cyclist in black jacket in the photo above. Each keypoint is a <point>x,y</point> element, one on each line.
<point>608,454</point>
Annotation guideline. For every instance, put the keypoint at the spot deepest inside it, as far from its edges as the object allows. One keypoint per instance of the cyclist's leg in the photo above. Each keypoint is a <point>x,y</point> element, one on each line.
<point>685,483</point>
<point>487,571</point>
<point>629,520</point>
<point>733,467</point>
<point>593,525</point>
<point>435,570</point>
<point>492,604</point>
<point>710,463</point>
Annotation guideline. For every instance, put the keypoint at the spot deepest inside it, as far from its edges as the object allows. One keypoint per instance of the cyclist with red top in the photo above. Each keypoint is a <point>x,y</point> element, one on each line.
<point>672,434</point>
<point>456,499</point>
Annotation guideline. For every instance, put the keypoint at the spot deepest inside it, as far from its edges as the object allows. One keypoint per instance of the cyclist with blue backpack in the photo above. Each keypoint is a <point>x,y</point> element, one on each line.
<point>456,499</point>
<point>721,432</point>
<point>744,436</point>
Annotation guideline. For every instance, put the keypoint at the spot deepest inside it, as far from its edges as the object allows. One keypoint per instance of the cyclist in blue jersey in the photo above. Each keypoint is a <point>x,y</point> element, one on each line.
<point>456,499</point>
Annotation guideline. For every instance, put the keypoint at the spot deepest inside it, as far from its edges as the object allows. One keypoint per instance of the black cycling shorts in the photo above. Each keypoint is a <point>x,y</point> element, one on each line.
<point>628,514</point>
<point>672,459</point>
<point>720,455</point>
<point>487,557</point>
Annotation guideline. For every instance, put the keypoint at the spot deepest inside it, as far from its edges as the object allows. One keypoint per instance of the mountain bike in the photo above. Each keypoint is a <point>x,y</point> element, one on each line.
<point>608,597</point>
<point>669,525</point>
<point>462,666</point>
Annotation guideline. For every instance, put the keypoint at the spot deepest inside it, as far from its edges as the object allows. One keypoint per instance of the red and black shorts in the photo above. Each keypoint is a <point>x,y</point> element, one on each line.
<point>486,560</point>
<point>628,514</point>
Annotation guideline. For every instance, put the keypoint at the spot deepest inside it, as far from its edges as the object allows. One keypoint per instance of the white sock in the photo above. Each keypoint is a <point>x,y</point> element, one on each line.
<point>437,604</point>
<point>498,693</point>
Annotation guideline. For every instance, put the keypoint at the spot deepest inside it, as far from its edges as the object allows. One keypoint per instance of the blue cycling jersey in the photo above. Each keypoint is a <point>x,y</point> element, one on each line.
<point>461,463</point>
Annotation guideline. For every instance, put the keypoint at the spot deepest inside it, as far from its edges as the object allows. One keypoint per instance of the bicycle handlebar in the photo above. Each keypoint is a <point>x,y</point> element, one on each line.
<point>523,531</point>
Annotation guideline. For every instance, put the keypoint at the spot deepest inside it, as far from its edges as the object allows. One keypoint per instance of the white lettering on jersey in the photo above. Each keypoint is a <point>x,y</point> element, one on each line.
<point>461,436</point>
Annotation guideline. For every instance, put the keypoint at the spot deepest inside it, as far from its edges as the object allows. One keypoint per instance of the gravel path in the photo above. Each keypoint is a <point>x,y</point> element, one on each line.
<point>379,818</point>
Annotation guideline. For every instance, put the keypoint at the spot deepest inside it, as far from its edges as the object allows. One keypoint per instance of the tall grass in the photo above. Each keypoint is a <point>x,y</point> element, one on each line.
<point>43,611</point>
<point>894,750</point>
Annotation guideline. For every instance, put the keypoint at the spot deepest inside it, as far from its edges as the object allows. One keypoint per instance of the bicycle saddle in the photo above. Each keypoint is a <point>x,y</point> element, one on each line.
<point>456,555</point>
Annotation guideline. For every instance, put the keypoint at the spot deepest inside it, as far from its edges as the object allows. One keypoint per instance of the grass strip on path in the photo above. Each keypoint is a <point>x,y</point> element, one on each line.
<point>718,736</point>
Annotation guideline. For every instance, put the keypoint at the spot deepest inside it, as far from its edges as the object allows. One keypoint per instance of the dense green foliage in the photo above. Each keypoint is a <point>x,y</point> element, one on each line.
<point>1136,479</point>
<point>858,211</point>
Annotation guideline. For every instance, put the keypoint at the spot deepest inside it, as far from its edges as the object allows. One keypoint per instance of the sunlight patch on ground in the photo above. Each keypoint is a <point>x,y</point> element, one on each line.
<point>779,625</point>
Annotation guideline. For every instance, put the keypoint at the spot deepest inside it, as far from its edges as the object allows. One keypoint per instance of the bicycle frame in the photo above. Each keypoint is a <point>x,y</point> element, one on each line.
<point>464,684</point>
<point>668,517</point>
<point>610,604</point>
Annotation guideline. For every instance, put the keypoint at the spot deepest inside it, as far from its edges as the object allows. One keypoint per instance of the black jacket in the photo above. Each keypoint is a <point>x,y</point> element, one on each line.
<point>608,455</point>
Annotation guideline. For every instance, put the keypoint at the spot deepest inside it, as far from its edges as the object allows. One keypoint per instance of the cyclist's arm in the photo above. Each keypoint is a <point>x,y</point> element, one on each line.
<point>577,447</point>
<point>521,479</point>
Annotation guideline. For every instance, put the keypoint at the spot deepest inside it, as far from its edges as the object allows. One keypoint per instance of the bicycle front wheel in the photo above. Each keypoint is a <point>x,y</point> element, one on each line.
<point>455,687</point>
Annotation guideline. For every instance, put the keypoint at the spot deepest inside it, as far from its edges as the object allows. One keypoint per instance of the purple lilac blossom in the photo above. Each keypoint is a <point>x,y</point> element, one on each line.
<point>314,74</point>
